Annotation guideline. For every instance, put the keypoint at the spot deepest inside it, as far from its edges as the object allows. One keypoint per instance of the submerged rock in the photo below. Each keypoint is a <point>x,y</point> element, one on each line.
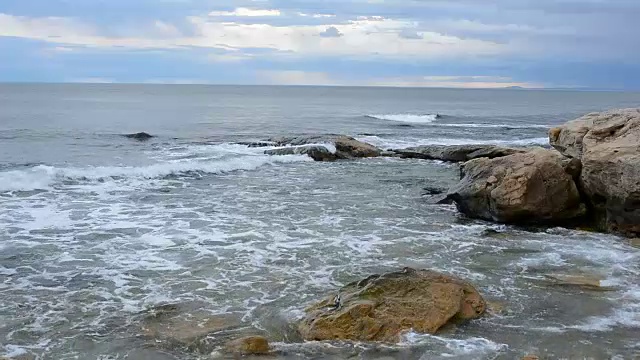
<point>608,145</point>
<point>533,187</point>
<point>316,152</point>
<point>588,282</point>
<point>180,326</point>
<point>250,345</point>
<point>456,153</point>
<point>257,144</point>
<point>346,147</point>
<point>383,307</point>
<point>141,136</point>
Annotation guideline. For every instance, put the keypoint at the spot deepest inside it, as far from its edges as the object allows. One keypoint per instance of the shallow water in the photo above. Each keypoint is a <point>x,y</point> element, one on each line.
<point>98,229</point>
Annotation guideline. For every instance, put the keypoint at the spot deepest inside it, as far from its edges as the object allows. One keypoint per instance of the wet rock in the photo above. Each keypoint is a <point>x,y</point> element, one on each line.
<point>607,145</point>
<point>346,147</point>
<point>456,153</point>
<point>250,345</point>
<point>181,326</point>
<point>257,144</point>
<point>383,307</point>
<point>527,188</point>
<point>316,152</point>
<point>635,242</point>
<point>587,282</point>
<point>141,136</point>
<point>530,357</point>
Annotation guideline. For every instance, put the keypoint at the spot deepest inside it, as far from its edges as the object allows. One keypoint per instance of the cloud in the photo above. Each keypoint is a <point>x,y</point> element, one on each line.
<point>247,12</point>
<point>331,32</point>
<point>410,34</point>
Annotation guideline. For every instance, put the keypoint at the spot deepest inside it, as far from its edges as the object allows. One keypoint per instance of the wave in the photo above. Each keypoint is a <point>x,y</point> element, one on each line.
<point>43,177</point>
<point>405,142</point>
<point>407,118</point>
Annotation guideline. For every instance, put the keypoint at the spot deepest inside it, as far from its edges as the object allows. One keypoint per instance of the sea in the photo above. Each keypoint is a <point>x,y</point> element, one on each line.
<point>99,232</point>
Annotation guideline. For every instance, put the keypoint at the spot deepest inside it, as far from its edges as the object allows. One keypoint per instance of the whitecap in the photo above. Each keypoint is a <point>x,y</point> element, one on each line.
<point>407,118</point>
<point>406,142</point>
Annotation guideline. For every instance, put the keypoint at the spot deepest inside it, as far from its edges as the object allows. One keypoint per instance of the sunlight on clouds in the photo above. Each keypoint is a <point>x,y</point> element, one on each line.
<point>247,12</point>
<point>372,36</point>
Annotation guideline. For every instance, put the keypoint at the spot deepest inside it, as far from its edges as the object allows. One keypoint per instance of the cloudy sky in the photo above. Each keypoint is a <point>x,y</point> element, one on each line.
<point>586,44</point>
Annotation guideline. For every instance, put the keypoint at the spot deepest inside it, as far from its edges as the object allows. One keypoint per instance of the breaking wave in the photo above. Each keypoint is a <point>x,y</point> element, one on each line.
<point>405,142</point>
<point>406,118</point>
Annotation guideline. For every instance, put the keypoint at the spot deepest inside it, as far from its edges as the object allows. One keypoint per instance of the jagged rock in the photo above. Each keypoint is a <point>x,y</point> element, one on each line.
<point>608,145</point>
<point>316,152</point>
<point>346,147</point>
<point>532,187</point>
<point>383,307</point>
<point>141,136</point>
<point>251,345</point>
<point>456,153</point>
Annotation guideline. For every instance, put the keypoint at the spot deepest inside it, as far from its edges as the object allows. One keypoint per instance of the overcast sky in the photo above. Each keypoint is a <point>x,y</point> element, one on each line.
<point>589,44</point>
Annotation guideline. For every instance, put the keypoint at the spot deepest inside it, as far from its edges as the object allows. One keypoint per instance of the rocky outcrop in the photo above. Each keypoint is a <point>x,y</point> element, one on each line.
<point>608,146</point>
<point>533,187</point>
<point>250,345</point>
<point>316,152</point>
<point>141,136</point>
<point>456,153</point>
<point>345,147</point>
<point>383,307</point>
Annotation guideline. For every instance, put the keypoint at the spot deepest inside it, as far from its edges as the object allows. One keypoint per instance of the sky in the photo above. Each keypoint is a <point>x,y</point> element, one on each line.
<point>576,44</point>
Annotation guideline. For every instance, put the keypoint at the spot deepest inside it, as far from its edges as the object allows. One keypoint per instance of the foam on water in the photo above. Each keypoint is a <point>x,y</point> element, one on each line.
<point>405,142</point>
<point>406,118</point>
<point>210,160</point>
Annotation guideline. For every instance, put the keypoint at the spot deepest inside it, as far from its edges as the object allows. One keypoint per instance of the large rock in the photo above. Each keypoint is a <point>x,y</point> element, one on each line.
<point>346,147</point>
<point>533,187</point>
<point>383,307</point>
<point>316,152</point>
<point>608,144</point>
<point>141,136</point>
<point>456,153</point>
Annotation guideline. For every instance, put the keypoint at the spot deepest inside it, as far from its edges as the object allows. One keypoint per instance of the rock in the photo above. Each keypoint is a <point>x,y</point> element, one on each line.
<point>588,282</point>
<point>527,188</point>
<point>608,146</point>
<point>316,152</point>
<point>346,147</point>
<point>635,242</point>
<point>383,307</point>
<point>141,136</point>
<point>456,153</point>
<point>255,144</point>
<point>530,357</point>
<point>179,325</point>
<point>432,190</point>
<point>251,345</point>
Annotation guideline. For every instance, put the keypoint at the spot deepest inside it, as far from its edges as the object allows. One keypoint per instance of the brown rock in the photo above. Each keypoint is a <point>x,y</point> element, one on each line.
<point>608,144</point>
<point>346,147</point>
<point>382,307</point>
<point>251,345</point>
<point>532,187</point>
<point>588,282</point>
<point>530,357</point>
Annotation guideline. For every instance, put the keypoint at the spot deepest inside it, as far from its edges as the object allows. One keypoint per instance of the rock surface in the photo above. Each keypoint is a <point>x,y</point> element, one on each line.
<point>346,147</point>
<point>141,136</point>
<point>456,153</point>
<point>383,307</point>
<point>533,187</point>
<point>608,145</point>
<point>250,345</point>
<point>316,152</point>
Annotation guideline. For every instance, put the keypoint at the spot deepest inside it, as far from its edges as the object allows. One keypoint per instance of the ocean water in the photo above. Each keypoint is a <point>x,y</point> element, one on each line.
<point>96,230</point>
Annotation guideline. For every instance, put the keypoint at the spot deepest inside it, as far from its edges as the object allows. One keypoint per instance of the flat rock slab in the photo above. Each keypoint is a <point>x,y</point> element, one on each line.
<point>456,153</point>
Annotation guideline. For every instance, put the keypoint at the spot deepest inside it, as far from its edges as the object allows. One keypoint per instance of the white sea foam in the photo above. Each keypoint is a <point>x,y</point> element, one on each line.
<point>476,346</point>
<point>405,142</point>
<point>44,177</point>
<point>406,118</point>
